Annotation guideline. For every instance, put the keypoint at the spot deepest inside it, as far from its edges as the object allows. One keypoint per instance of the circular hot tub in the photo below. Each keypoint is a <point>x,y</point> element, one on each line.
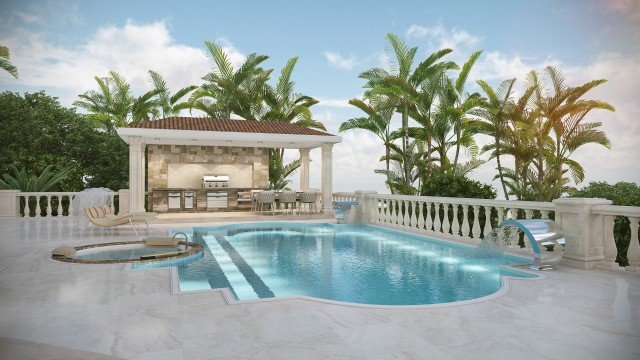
<point>127,252</point>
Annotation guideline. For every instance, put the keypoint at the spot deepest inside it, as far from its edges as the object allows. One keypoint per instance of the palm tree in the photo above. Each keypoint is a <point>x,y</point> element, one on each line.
<point>494,112</point>
<point>229,91</point>
<point>377,122</point>
<point>562,112</point>
<point>282,104</point>
<point>113,105</point>
<point>5,64</point>
<point>170,105</point>
<point>400,86</point>
<point>464,103</point>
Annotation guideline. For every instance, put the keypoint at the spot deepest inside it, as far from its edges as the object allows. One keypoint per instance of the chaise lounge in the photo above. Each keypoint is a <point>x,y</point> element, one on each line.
<point>101,216</point>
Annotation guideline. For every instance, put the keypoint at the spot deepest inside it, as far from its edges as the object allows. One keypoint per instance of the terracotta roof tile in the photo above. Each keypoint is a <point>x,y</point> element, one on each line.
<point>243,126</point>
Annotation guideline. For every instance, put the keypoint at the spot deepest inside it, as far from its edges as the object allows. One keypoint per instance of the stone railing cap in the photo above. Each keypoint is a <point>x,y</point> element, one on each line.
<point>582,201</point>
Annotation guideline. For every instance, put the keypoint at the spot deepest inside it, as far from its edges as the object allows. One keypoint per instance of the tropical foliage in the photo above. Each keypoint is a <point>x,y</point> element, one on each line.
<point>227,90</point>
<point>36,133</point>
<point>5,63</point>
<point>621,193</point>
<point>441,118</point>
<point>20,180</point>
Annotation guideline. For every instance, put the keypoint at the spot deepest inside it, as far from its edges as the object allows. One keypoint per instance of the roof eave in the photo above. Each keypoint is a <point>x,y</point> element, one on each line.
<point>223,138</point>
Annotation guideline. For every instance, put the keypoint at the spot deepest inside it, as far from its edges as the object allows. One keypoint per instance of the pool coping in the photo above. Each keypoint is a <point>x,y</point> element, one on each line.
<point>194,249</point>
<point>229,298</point>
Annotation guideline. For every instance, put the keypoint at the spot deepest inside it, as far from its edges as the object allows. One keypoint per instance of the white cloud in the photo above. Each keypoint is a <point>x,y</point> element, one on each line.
<point>440,37</point>
<point>27,18</point>
<point>330,102</point>
<point>338,61</point>
<point>131,49</point>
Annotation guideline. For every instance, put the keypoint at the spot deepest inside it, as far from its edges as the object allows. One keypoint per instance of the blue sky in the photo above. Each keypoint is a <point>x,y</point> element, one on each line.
<point>59,46</point>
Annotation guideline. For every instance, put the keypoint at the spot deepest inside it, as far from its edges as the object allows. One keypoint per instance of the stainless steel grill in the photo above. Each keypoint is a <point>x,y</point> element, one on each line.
<point>215,181</point>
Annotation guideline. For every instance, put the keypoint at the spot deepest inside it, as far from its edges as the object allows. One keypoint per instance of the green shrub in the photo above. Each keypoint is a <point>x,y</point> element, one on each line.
<point>621,193</point>
<point>446,184</point>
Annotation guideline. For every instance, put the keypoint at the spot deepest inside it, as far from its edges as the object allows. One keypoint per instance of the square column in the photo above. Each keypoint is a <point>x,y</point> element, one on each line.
<point>304,169</point>
<point>327,177</point>
<point>136,174</point>
<point>584,230</point>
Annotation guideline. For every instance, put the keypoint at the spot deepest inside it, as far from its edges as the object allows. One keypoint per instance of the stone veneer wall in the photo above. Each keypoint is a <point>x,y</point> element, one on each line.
<point>159,157</point>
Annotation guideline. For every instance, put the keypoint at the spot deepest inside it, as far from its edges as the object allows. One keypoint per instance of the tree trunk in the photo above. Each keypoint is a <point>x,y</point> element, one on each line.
<point>405,142</point>
<point>540,169</point>
<point>504,187</point>
<point>458,130</point>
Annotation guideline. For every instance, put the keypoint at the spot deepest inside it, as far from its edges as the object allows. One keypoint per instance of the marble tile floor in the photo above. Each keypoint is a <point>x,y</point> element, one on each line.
<point>573,314</point>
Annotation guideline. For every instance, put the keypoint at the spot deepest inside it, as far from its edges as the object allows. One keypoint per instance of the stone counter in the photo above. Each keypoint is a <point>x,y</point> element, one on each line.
<point>160,203</point>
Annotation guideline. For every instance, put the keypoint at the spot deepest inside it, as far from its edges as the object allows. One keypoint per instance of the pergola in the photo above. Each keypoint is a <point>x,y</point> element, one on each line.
<point>230,133</point>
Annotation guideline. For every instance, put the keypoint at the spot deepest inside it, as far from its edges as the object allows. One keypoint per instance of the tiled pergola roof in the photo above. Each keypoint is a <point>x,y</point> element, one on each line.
<point>240,126</point>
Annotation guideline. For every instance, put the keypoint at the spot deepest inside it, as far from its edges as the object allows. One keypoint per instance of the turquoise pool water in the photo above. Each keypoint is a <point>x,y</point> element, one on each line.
<point>351,263</point>
<point>123,252</point>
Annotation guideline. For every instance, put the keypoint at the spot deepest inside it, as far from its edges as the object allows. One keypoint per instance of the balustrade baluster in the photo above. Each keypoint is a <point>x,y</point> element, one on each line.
<point>446,226</point>
<point>476,221</point>
<point>414,215</point>
<point>420,216</point>
<point>48,214</point>
<point>27,207</point>
<point>429,224</point>
<point>610,249</point>
<point>406,221</point>
<point>70,206</point>
<point>633,253</point>
<point>544,214</point>
<point>38,206</point>
<point>500,211</point>
<point>487,220</point>
<point>455,226</point>
<point>59,212</point>
<point>528,214</point>
<point>437,226</point>
<point>465,221</point>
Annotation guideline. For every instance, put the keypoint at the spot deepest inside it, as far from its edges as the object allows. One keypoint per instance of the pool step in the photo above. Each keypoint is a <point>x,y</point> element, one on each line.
<point>217,277</point>
<point>238,284</point>
<point>247,271</point>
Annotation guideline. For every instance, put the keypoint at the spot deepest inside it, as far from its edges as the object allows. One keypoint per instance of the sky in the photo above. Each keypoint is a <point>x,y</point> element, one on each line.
<point>59,46</point>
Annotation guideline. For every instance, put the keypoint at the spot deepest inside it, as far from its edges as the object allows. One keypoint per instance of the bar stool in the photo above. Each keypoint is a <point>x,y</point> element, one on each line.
<point>309,198</point>
<point>265,198</point>
<point>286,198</point>
<point>254,200</point>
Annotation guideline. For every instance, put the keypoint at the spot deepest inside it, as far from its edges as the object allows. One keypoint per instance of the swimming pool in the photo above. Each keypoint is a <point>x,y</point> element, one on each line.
<point>349,263</point>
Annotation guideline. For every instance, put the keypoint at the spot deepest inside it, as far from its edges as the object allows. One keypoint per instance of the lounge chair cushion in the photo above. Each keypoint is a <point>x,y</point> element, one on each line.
<point>161,241</point>
<point>66,251</point>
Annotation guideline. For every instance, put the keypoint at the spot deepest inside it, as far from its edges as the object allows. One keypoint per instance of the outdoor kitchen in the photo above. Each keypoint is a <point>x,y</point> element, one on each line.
<point>184,178</point>
<point>188,164</point>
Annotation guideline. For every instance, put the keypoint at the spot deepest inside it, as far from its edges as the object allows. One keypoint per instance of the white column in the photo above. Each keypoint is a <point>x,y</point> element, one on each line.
<point>136,174</point>
<point>304,169</point>
<point>327,177</point>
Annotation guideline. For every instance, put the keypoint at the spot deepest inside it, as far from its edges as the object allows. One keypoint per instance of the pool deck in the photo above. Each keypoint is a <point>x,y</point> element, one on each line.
<point>572,314</point>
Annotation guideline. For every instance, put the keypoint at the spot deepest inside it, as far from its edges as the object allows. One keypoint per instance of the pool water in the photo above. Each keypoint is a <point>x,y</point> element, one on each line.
<point>350,263</point>
<point>120,252</point>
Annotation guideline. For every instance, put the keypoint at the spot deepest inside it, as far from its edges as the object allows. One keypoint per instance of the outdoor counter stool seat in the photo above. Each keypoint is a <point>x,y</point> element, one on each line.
<point>288,197</point>
<point>254,200</point>
<point>265,198</point>
<point>310,198</point>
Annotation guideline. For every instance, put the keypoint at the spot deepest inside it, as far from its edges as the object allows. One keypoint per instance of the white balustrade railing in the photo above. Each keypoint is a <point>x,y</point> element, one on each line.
<point>50,204</point>
<point>343,196</point>
<point>611,250</point>
<point>451,218</point>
